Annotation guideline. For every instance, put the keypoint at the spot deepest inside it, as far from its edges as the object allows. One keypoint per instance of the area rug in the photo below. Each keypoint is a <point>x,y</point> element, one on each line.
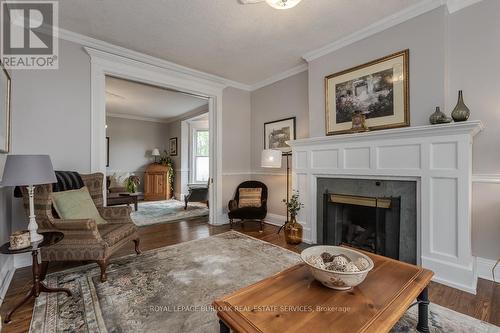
<point>153,212</point>
<point>171,289</point>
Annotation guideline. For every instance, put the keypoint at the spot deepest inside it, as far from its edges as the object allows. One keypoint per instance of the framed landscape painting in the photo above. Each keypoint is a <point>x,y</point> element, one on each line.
<point>276,133</point>
<point>5,88</point>
<point>378,90</point>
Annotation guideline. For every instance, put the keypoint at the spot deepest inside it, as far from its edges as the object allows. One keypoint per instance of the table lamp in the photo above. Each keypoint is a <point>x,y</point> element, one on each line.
<point>155,153</point>
<point>29,170</point>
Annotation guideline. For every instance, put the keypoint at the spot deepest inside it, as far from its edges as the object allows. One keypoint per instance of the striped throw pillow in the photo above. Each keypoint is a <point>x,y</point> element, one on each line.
<point>250,197</point>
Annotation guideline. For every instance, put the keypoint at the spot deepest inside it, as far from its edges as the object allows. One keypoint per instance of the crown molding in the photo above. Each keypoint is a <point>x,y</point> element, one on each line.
<point>133,117</point>
<point>278,77</point>
<point>385,23</point>
<point>456,5</point>
<point>100,45</point>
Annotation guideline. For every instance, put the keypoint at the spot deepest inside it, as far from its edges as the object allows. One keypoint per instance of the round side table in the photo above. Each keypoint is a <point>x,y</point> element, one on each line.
<point>49,238</point>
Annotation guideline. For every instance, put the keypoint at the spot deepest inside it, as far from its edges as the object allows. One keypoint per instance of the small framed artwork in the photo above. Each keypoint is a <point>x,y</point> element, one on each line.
<point>277,133</point>
<point>377,90</point>
<point>172,147</point>
<point>107,152</point>
<point>5,91</point>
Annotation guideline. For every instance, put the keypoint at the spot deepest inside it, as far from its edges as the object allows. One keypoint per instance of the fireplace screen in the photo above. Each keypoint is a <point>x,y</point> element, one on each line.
<point>368,223</point>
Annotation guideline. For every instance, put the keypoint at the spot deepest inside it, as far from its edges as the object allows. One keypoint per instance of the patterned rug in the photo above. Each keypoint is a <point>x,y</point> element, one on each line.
<point>171,289</point>
<point>152,212</point>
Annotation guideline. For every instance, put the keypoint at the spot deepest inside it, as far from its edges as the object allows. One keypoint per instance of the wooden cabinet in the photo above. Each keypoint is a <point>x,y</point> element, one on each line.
<point>156,185</point>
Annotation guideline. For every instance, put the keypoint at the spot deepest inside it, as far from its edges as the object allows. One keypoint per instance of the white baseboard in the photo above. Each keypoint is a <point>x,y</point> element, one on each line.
<point>275,219</point>
<point>484,269</point>
<point>6,274</point>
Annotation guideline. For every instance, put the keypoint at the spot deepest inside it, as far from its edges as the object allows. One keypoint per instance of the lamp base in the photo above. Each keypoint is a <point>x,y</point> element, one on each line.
<point>35,237</point>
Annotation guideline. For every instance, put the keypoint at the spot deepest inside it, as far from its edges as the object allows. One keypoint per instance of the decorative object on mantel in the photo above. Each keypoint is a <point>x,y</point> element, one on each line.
<point>19,240</point>
<point>172,146</point>
<point>358,122</point>
<point>293,229</point>
<point>155,153</point>
<point>378,89</point>
<point>5,91</point>
<point>278,132</point>
<point>29,170</point>
<point>461,112</point>
<point>438,117</point>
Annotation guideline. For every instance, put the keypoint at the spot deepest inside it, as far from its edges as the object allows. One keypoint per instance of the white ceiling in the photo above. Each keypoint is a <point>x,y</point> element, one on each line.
<point>140,101</point>
<point>244,43</point>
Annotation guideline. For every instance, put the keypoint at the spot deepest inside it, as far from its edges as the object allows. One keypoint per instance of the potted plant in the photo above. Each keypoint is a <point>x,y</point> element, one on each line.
<point>167,161</point>
<point>293,229</point>
<point>132,183</point>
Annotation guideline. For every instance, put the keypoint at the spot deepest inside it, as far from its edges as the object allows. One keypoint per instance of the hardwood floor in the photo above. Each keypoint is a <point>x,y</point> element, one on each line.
<point>484,306</point>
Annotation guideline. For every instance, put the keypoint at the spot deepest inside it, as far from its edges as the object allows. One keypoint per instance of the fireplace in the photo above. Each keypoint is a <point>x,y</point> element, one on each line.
<point>367,223</point>
<point>378,216</point>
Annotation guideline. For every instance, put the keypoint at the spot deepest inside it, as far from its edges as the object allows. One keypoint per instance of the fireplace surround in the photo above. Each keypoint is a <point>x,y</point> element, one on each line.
<point>438,158</point>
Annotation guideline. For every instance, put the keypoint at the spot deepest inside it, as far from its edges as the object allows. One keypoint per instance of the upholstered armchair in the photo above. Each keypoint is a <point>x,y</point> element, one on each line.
<point>84,239</point>
<point>197,193</point>
<point>248,213</point>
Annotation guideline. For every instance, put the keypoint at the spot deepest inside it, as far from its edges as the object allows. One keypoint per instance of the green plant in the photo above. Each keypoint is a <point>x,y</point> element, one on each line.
<point>167,161</point>
<point>293,205</point>
<point>132,183</point>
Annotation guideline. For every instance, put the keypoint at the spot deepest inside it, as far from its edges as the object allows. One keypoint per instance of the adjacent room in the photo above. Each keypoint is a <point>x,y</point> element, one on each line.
<point>249,166</point>
<point>157,152</point>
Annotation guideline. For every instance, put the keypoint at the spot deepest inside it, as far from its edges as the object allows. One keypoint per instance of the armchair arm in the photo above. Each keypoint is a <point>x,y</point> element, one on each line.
<point>232,205</point>
<point>264,204</point>
<point>78,230</point>
<point>116,214</point>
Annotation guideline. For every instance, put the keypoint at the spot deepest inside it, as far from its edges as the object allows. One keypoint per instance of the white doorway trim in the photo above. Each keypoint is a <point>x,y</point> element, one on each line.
<point>104,63</point>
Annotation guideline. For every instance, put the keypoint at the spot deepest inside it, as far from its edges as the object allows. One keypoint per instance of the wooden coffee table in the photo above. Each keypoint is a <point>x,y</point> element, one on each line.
<point>124,198</point>
<point>292,301</point>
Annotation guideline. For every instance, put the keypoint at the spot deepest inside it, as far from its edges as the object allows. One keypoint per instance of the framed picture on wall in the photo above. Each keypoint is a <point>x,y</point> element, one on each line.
<point>172,147</point>
<point>277,132</point>
<point>5,90</point>
<point>377,90</point>
<point>107,152</point>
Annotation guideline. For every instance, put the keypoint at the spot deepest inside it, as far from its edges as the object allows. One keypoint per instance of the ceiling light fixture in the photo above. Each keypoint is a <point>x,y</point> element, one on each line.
<point>278,4</point>
<point>283,4</point>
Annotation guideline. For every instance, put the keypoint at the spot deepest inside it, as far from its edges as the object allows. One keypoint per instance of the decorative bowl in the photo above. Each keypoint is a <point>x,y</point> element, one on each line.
<point>20,240</point>
<point>337,280</point>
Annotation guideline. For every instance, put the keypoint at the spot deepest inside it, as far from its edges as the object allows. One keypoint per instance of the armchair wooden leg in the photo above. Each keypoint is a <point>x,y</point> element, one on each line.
<point>231,223</point>
<point>261,226</point>
<point>103,264</point>
<point>137,242</point>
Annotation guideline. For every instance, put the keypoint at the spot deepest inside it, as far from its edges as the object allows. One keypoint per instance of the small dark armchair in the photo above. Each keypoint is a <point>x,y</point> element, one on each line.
<point>248,213</point>
<point>197,193</point>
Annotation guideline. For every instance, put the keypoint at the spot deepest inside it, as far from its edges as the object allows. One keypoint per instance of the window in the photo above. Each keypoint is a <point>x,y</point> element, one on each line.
<point>201,160</point>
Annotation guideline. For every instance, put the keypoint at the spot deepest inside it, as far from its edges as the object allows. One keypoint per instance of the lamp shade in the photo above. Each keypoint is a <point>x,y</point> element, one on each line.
<point>271,158</point>
<point>28,170</point>
<point>155,152</point>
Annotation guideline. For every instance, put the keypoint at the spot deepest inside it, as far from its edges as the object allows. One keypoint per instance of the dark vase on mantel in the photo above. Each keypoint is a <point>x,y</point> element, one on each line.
<point>461,112</point>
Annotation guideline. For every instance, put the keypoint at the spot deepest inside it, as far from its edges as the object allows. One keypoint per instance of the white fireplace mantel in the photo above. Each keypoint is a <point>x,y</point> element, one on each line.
<point>438,157</point>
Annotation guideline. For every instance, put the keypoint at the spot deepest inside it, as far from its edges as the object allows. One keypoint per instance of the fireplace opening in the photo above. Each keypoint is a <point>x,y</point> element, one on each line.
<point>368,223</point>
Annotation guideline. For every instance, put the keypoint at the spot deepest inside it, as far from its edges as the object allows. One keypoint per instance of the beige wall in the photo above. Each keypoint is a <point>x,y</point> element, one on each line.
<point>236,138</point>
<point>283,99</point>
<point>131,142</point>
<point>473,66</point>
<point>447,53</point>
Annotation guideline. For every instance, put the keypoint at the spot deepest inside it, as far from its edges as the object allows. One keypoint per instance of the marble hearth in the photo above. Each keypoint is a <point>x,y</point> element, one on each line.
<point>438,158</point>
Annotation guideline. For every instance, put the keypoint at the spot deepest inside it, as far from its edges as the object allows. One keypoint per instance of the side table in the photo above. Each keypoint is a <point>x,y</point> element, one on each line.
<point>49,238</point>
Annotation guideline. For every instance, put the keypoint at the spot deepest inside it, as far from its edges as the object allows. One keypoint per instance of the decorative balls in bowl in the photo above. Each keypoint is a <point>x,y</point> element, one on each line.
<point>337,267</point>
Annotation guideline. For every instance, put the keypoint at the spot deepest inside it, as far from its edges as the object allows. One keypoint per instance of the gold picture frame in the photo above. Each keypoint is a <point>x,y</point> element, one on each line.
<point>5,119</point>
<point>379,89</point>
